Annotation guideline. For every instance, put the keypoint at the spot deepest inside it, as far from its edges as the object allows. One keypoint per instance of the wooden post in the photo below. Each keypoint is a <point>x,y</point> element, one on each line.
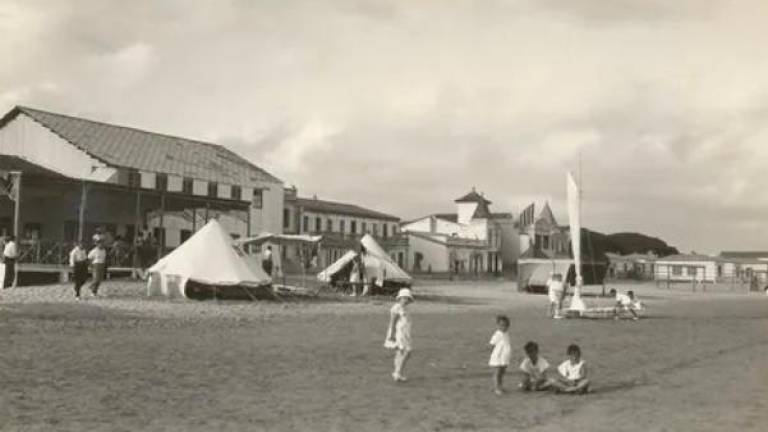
<point>139,226</point>
<point>161,242</point>
<point>17,207</point>
<point>81,211</point>
<point>194,219</point>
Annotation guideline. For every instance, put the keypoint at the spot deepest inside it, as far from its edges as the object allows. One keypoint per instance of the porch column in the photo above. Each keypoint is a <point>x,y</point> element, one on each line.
<point>194,218</point>
<point>139,226</point>
<point>161,242</point>
<point>17,207</point>
<point>81,211</point>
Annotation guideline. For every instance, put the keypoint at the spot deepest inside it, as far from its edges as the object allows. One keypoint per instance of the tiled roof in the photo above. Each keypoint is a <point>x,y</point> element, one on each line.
<point>126,147</point>
<point>744,254</point>
<point>473,196</point>
<point>330,207</point>
<point>686,258</point>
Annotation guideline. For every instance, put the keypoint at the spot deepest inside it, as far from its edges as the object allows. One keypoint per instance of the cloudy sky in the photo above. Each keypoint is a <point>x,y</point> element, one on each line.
<point>405,105</point>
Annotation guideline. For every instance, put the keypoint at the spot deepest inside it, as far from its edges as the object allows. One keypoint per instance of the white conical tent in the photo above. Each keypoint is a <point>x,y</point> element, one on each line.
<point>208,257</point>
<point>377,263</point>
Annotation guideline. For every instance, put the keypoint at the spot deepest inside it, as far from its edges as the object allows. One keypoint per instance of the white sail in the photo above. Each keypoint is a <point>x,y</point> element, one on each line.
<point>574,219</point>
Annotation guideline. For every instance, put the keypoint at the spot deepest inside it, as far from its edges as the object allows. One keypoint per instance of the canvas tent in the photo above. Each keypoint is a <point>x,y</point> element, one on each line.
<point>377,264</point>
<point>207,264</point>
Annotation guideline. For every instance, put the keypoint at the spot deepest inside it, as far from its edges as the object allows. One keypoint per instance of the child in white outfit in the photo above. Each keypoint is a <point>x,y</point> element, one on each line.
<point>572,373</point>
<point>399,333</point>
<point>534,368</point>
<point>501,354</point>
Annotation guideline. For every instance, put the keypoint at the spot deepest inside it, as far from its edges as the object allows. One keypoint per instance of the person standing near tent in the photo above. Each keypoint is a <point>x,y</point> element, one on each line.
<point>399,333</point>
<point>266,261</point>
<point>555,288</point>
<point>355,275</point>
<point>98,258</point>
<point>78,260</point>
<point>10,255</point>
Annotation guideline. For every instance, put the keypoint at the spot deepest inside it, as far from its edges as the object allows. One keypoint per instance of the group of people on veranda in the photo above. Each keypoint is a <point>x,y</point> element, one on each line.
<point>570,376</point>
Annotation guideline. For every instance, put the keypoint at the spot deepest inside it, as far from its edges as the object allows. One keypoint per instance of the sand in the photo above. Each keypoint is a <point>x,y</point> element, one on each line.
<point>124,362</point>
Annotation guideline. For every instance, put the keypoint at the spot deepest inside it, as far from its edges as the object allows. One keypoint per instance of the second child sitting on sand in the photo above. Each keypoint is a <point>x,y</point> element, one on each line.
<point>572,373</point>
<point>534,369</point>
<point>501,354</point>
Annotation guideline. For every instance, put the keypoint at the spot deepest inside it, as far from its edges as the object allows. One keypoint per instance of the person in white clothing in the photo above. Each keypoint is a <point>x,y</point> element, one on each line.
<point>501,354</point>
<point>78,260</point>
<point>534,369</point>
<point>98,258</point>
<point>571,374</point>
<point>625,303</point>
<point>555,289</point>
<point>10,255</point>
<point>399,333</point>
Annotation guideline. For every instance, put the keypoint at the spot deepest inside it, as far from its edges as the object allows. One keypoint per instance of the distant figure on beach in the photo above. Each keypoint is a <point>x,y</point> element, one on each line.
<point>98,259</point>
<point>501,354</point>
<point>572,373</point>
<point>78,260</point>
<point>534,369</point>
<point>625,303</point>
<point>555,290</point>
<point>357,275</point>
<point>266,261</point>
<point>10,255</point>
<point>399,333</point>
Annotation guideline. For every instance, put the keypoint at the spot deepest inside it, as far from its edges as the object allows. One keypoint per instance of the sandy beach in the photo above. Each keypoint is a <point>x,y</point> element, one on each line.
<point>125,362</point>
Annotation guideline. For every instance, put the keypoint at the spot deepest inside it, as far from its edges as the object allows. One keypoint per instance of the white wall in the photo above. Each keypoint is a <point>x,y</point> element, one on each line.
<point>29,140</point>
<point>465,211</point>
<point>435,255</point>
<point>664,271</point>
<point>269,218</point>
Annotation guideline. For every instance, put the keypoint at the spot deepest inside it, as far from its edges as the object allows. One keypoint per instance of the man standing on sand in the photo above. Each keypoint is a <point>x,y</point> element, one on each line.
<point>98,258</point>
<point>10,255</point>
<point>266,261</point>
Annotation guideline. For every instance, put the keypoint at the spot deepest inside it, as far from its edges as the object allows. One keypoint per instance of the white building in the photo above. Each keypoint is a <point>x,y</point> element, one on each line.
<point>472,240</point>
<point>687,268</point>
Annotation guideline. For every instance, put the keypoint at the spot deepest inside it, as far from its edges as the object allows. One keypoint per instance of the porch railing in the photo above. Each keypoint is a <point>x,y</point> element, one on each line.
<point>57,253</point>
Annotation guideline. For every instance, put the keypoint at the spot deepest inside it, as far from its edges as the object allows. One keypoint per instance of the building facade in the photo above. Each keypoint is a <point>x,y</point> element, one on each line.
<point>78,175</point>
<point>632,266</point>
<point>342,225</point>
<point>472,240</point>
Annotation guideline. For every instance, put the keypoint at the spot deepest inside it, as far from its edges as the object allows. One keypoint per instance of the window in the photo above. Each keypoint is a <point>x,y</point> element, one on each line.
<point>691,271</point>
<point>213,189</point>
<point>545,242</point>
<point>353,227</point>
<point>363,228</point>
<point>318,224</point>
<point>161,182</point>
<point>236,193</point>
<point>677,270</point>
<point>187,185</point>
<point>385,232</point>
<point>329,225</point>
<point>341,226</point>
<point>258,198</point>
<point>394,229</point>
<point>306,223</point>
<point>234,236</point>
<point>286,218</point>
<point>134,179</point>
<point>375,230</point>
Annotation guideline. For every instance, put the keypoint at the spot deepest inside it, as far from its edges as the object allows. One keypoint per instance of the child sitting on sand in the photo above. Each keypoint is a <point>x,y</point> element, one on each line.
<point>572,373</point>
<point>501,354</point>
<point>534,369</point>
<point>626,303</point>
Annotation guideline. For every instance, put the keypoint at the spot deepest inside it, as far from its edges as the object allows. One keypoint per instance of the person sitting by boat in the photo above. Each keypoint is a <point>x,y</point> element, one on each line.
<point>625,303</point>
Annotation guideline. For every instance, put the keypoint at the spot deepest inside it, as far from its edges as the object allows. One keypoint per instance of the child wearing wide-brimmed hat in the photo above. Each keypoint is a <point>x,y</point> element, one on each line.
<point>399,332</point>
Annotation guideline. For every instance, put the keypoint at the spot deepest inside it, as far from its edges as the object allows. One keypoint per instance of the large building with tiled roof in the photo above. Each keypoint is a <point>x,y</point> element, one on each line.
<point>472,240</point>
<point>79,174</point>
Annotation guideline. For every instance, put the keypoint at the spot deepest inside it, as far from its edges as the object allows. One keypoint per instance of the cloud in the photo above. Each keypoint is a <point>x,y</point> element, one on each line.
<point>403,106</point>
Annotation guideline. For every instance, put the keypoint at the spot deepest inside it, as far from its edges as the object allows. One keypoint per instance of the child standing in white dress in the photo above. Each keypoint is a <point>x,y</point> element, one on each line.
<point>501,354</point>
<point>399,333</point>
